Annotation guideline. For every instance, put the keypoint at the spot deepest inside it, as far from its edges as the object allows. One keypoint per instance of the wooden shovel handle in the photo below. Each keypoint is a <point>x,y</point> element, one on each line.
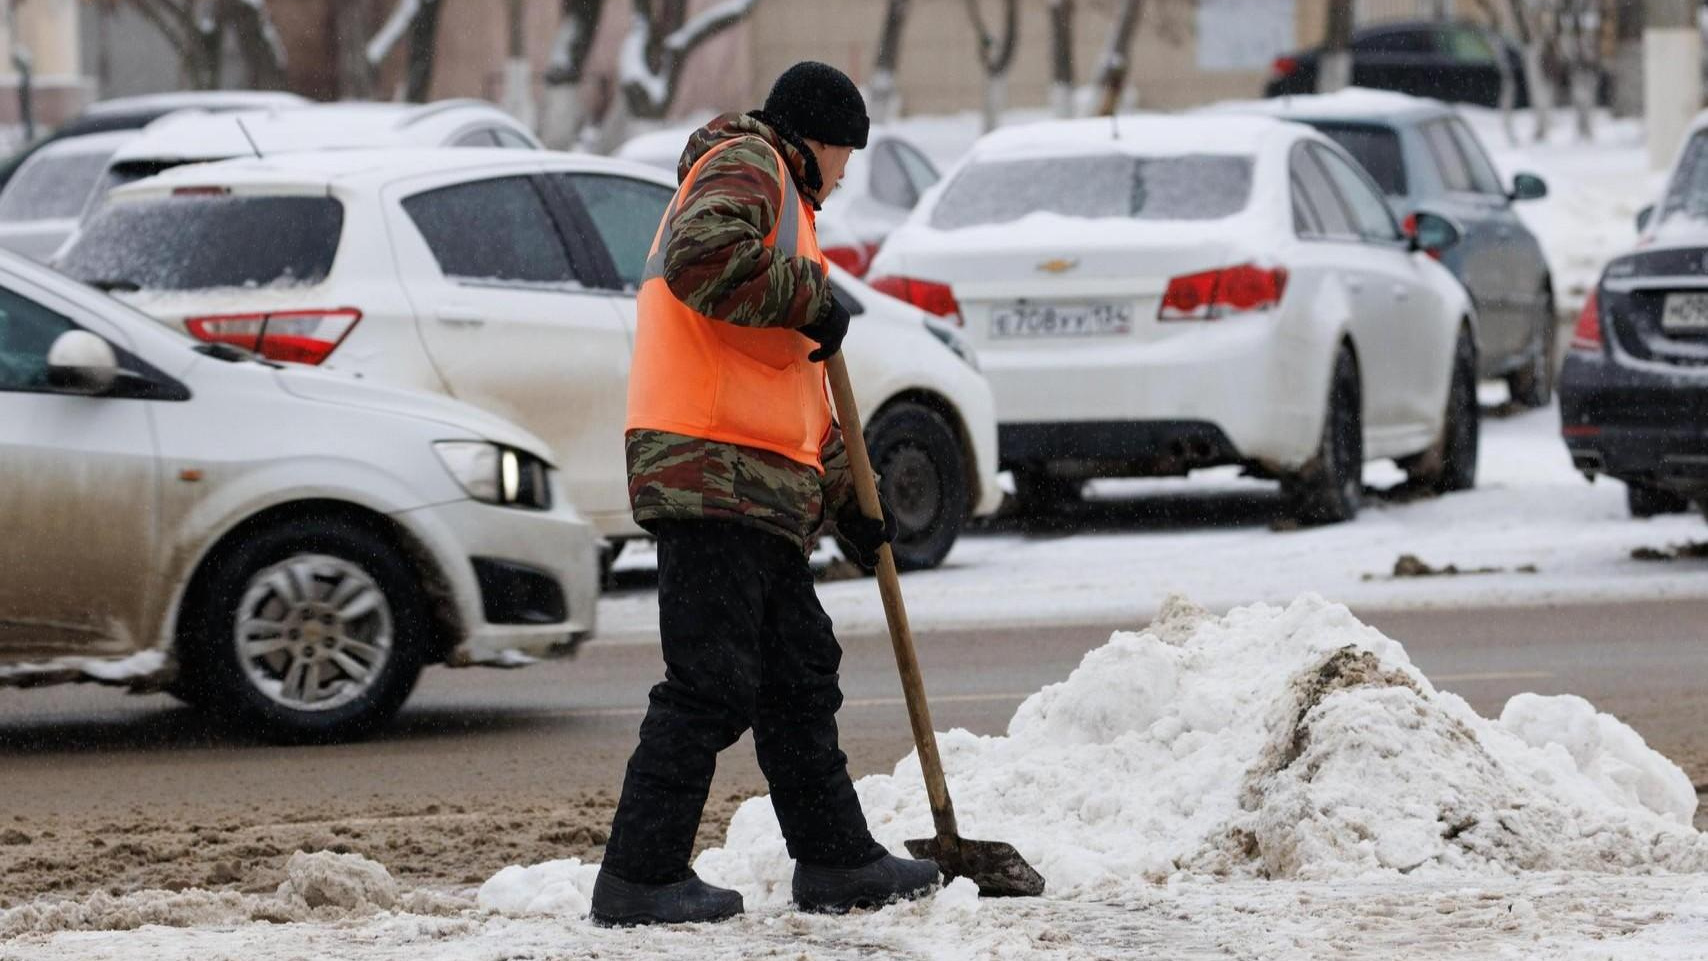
<point>889,586</point>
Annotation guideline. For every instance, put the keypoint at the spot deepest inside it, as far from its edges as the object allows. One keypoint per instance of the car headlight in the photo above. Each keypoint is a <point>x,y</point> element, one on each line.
<point>954,342</point>
<point>494,474</point>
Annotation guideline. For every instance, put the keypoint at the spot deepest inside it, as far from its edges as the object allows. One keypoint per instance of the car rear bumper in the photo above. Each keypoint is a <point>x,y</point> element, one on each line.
<point>1157,447</point>
<point>525,583</point>
<point>1635,423</point>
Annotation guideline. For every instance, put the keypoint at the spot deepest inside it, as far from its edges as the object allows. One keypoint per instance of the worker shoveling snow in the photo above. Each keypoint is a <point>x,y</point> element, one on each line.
<point>1268,781</point>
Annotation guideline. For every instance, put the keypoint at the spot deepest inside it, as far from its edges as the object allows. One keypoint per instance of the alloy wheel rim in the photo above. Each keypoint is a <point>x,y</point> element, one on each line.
<point>912,488</point>
<point>313,632</point>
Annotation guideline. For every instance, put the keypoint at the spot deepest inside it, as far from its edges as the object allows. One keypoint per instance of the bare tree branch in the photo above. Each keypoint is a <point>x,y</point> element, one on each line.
<point>574,41</point>
<point>1061,57</point>
<point>258,42</point>
<point>883,99</point>
<point>1117,56</point>
<point>660,39</point>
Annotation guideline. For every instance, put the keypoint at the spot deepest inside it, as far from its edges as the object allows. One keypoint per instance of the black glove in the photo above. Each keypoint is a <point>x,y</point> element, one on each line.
<point>864,534</point>
<point>829,329</point>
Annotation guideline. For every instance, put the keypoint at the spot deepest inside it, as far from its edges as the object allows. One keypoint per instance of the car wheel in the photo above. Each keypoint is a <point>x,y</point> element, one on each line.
<point>1533,385</point>
<point>922,474</point>
<point>1038,493</point>
<point>311,631</point>
<point>1330,488</point>
<point>1451,465</point>
<point>1645,501</point>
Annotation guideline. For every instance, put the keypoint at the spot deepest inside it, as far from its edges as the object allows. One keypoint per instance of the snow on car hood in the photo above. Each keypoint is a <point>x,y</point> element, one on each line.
<point>352,390</point>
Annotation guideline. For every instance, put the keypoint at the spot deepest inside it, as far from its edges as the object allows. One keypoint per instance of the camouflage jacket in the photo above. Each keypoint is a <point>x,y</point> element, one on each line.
<point>717,263</point>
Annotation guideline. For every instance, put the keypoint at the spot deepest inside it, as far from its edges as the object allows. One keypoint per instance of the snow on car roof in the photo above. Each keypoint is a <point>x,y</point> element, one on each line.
<point>192,99</point>
<point>1147,135</point>
<point>354,167</point>
<point>105,142</point>
<point>1353,103</point>
<point>196,136</point>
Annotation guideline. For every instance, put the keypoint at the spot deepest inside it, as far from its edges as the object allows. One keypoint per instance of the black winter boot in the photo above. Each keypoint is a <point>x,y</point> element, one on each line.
<point>622,903</point>
<point>840,890</point>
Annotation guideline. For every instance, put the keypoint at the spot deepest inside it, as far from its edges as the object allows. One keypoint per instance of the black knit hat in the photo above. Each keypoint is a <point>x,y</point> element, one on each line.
<point>819,102</point>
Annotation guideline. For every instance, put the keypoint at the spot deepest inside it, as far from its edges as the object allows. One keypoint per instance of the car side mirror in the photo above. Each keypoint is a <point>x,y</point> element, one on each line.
<point>1644,216</point>
<point>1431,233</point>
<point>1528,187</point>
<point>81,363</point>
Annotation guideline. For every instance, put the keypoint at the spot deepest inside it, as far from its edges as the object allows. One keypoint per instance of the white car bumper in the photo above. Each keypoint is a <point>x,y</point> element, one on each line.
<point>537,592</point>
<point>1261,390</point>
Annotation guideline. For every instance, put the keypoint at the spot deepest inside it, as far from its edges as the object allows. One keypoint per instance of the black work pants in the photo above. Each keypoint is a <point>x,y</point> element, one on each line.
<point>746,645</point>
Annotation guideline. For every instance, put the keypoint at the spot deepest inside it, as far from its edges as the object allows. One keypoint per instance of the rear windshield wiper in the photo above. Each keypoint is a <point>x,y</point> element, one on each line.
<point>107,285</point>
<point>233,354</point>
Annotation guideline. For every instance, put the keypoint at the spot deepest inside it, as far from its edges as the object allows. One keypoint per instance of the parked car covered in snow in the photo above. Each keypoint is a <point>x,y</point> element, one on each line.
<point>283,546</point>
<point>882,185</point>
<point>1422,154</point>
<point>1153,295</point>
<point>134,113</point>
<point>40,206</point>
<point>507,279</point>
<point>209,137</point>
<point>1634,388</point>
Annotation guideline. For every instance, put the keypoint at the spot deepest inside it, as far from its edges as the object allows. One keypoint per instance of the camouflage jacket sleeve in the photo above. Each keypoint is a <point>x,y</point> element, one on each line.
<point>717,262</point>
<point>838,480</point>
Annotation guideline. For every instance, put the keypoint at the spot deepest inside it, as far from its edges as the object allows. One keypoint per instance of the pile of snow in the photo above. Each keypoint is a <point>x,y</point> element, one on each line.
<point>1274,743</point>
<point>555,887</point>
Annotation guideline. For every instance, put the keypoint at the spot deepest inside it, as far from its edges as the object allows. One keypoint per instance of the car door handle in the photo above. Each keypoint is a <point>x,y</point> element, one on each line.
<point>455,317</point>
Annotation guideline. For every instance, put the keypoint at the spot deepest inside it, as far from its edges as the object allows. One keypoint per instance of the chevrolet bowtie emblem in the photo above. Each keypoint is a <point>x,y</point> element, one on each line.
<point>1058,265</point>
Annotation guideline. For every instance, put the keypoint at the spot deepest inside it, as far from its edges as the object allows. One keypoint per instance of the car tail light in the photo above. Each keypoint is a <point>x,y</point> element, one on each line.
<point>1587,334</point>
<point>297,336</point>
<point>929,296</point>
<point>1285,66</point>
<point>852,259</point>
<point>1218,293</point>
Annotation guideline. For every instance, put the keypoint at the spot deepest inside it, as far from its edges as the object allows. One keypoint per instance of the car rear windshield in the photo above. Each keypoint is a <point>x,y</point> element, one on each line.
<point>52,186</point>
<point>197,242</point>
<point>1377,150</point>
<point>1186,187</point>
<point>1687,191</point>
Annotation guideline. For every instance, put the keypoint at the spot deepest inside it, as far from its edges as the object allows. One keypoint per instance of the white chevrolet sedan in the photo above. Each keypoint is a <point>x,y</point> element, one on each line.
<point>507,279</point>
<point>1153,295</point>
<point>283,546</point>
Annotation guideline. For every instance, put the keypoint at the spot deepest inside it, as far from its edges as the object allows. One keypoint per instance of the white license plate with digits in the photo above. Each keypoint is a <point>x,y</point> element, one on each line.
<point>1685,313</point>
<point>1061,320</point>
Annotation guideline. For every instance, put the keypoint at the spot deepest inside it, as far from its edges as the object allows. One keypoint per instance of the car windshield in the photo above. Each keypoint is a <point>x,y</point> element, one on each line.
<point>1377,150</point>
<point>52,186</point>
<point>204,241</point>
<point>1687,191</point>
<point>1187,187</point>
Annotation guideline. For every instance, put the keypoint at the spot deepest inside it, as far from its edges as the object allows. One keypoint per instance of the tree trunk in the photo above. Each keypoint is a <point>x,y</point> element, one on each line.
<point>1334,67</point>
<point>1061,57</point>
<point>883,104</point>
<point>660,40</point>
<point>564,110</point>
<point>23,63</point>
<point>518,95</point>
<point>996,54</point>
<point>423,52</point>
<point>350,29</point>
<point>258,43</point>
<point>1117,57</point>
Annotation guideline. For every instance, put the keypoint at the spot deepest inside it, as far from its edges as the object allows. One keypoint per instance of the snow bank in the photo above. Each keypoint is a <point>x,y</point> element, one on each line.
<point>555,887</point>
<point>1271,743</point>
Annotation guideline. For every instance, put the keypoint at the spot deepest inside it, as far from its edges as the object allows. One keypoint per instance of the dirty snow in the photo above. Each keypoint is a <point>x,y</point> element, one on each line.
<point>1277,782</point>
<point>135,668</point>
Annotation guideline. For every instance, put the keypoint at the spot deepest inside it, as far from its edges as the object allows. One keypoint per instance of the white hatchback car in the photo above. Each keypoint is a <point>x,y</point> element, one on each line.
<point>1158,294</point>
<point>507,280</point>
<point>284,546</point>
<point>41,204</point>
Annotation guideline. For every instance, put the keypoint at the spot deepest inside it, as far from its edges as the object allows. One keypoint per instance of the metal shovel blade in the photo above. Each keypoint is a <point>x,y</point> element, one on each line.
<point>998,869</point>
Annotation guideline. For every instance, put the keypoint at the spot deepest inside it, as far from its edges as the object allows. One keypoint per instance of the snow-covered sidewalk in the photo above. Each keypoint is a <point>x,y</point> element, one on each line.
<point>1530,509</point>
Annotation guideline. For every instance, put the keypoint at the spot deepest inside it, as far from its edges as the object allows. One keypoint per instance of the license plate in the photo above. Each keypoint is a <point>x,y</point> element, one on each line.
<point>1685,312</point>
<point>1061,320</point>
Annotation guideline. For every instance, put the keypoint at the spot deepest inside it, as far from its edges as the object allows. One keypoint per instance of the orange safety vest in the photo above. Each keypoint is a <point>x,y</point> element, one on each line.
<point>750,386</point>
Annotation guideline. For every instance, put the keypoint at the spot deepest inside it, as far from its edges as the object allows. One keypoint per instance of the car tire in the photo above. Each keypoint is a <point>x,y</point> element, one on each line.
<point>1331,486</point>
<point>1533,384</point>
<point>337,632</point>
<point>1451,464</point>
<point>1038,493</point>
<point>923,476</point>
<point>1645,501</point>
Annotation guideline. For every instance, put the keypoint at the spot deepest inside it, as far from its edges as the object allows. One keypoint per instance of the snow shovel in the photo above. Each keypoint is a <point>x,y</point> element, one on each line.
<point>995,867</point>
